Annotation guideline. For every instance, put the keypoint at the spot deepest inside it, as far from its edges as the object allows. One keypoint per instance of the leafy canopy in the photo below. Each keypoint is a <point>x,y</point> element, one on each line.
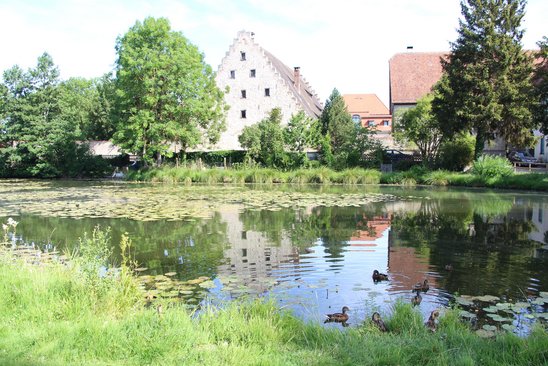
<point>486,87</point>
<point>165,92</point>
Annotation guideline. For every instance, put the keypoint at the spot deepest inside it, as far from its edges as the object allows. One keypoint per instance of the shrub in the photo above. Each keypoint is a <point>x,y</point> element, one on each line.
<point>457,154</point>
<point>489,166</point>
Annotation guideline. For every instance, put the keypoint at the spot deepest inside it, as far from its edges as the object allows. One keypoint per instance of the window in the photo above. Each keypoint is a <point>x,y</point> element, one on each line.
<point>356,118</point>
<point>386,123</point>
<point>242,56</point>
<point>267,92</point>
<point>243,114</point>
<point>252,73</point>
<point>243,94</point>
<point>542,142</point>
<point>233,74</point>
<point>244,234</point>
<point>244,252</point>
<point>371,123</point>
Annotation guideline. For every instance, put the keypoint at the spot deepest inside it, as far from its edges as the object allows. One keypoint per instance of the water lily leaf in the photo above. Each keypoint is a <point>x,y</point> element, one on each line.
<point>509,327</point>
<point>207,284</point>
<point>464,301</point>
<point>485,333</point>
<point>529,316</point>
<point>170,274</point>
<point>542,315</point>
<point>140,269</point>
<point>491,309</point>
<point>490,328</point>
<point>538,301</point>
<point>487,298</point>
<point>503,305</point>
<point>543,294</point>
<point>520,305</point>
<point>466,314</point>
<point>498,318</point>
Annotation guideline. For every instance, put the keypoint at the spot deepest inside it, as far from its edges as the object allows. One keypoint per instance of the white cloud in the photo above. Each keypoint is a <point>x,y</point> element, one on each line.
<point>345,44</point>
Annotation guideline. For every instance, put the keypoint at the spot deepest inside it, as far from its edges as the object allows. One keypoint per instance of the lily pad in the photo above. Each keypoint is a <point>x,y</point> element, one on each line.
<point>542,315</point>
<point>485,333</point>
<point>487,298</point>
<point>170,274</point>
<point>207,284</point>
<point>464,302</point>
<point>491,309</point>
<point>468,315</point>
<point>490,328</point>
<point>498,318</point>
<point>508,327</point>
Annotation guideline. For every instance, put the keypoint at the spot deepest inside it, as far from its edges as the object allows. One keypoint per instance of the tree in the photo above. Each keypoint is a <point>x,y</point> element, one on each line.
<point>419,126</point>
<point>165,92</point>
<point>264,141</point>
<point>337,122</point>
<point>301,132</point>
<point>540,80</point>
<point>486,85</point>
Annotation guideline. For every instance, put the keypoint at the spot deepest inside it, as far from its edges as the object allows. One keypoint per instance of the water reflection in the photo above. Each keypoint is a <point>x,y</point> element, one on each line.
<point>316,260</point>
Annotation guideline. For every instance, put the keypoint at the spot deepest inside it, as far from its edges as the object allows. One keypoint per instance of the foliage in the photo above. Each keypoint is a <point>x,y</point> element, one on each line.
<point>458,153</point>
<point>540,80</point>
<point>492,166</point>
<point>486,85</point>
<point>301,132</point>
<point>419,126</point>
<point>40,134</point>
<point>165,92</point>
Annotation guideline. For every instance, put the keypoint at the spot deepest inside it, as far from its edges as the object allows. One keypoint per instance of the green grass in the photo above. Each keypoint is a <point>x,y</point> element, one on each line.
<point>355,176</point>
<point>53,315</point>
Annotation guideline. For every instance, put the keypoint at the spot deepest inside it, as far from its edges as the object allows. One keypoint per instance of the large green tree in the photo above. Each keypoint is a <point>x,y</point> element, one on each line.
<point>165,92</point>
<point>39,132</point>
<point>419,126</point>
<point>486,85</point>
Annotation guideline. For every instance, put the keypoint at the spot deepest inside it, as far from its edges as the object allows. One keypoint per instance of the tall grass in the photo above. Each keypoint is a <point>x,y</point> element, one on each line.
<point>50,315</point>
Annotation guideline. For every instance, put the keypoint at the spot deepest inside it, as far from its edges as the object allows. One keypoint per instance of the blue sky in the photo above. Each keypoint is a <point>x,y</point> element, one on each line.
<point>344,44</point>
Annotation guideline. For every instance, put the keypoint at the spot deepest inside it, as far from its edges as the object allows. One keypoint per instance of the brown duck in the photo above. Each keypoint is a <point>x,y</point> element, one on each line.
<point>422,286</point>
<point>338,317</point>
<point>379,276</point>
<point>431,322</point>
<point>376,319</point>
<point>417,299</point>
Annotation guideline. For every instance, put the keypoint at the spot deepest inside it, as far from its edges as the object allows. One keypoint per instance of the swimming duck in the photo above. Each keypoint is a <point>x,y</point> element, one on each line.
<point>338,317</point>
<point>431,322</point>
<point>422,286</point>
<point>379,276</point>
<point>416,300</point>
<point>376,319</point>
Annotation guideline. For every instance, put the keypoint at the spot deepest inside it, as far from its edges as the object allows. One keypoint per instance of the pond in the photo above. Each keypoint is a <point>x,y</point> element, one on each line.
<point>313,249</point>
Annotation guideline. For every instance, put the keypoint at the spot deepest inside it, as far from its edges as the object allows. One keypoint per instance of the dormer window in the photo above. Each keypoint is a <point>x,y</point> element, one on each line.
<point>242,56</point>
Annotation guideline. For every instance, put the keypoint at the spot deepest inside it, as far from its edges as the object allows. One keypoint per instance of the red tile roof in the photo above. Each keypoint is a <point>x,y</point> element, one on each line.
<point>412,75</point>
<point>365,104</point>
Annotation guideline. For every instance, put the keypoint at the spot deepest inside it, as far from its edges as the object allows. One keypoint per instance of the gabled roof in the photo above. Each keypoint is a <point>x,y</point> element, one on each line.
<point>365,104</point>
<point>412,75</point>
<point>304,93</point>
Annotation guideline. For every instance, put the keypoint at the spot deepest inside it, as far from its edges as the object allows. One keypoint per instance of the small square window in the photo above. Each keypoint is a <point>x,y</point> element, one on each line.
<point>385,123</point>
<point>267,92</point>
<point>242,56</point>
<point>243,114</point>
<point>233,74</point>
<point>371,123</point>
<point>252,73</point>
<point>243,94</point>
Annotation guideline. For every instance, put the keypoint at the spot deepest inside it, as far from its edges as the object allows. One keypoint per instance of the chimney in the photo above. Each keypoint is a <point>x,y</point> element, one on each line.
<point>409,47</point>
<point>297,78</point>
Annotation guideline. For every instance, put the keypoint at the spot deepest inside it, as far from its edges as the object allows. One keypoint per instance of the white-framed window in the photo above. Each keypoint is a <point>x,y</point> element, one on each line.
<point>356,118</point>
<point>371,123</point>
<point>386,123</point>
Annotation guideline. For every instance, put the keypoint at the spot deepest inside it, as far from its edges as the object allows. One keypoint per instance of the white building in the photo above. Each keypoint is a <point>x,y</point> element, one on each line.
<point>257,82</point>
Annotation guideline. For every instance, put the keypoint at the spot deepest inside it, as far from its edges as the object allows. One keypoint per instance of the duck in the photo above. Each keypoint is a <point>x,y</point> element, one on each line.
<point>376,319</point>
<point>416,300</point>
<point>379,276</point>
<point>431,322</point>
<point>422,286</point>
<point>338,317</point>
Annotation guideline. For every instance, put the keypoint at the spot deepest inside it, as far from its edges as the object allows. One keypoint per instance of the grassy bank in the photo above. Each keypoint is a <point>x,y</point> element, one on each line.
<point>57,314</point>
<point>531,181</point>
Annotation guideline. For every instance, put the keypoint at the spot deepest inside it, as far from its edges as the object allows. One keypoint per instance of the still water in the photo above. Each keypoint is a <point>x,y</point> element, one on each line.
<point>311,249</point>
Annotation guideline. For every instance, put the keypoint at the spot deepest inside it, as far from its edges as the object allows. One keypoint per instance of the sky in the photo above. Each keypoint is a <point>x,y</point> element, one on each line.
<point>343,44</point>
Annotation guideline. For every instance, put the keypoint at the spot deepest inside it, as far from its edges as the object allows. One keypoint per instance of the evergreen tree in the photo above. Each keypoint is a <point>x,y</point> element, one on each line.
<point>486,85</point>
<point>540,80</point>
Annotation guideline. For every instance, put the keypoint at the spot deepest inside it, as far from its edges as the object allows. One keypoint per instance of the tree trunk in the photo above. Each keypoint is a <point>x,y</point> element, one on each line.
<point>480,143</point>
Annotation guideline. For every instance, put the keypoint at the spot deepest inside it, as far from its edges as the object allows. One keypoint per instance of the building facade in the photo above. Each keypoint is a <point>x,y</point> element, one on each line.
<point>255,82</point>
<point>369,111</point>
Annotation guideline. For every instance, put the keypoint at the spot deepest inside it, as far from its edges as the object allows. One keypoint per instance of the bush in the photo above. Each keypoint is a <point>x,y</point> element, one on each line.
<point>457,154</point>
<point>489,166</point>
